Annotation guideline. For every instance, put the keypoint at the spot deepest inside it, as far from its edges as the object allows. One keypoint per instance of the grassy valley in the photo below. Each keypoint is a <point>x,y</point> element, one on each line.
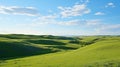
<point>18,50</point>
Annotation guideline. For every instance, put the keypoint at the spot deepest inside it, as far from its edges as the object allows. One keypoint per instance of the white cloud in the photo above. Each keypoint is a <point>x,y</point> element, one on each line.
<point>15,10</point>
<point>108,29</point>
<point>52,19</point>
<point>69,23</point>
<point>76,10</point>
<point>43,20</point>
<point>99,13</point>
<point>93,22</point>
<point>85,1</point>
<point>110,5</point>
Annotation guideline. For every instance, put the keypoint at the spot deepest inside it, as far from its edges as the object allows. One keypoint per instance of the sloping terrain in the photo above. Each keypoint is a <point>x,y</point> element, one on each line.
<point>18,45</point>
<point>104,52</point>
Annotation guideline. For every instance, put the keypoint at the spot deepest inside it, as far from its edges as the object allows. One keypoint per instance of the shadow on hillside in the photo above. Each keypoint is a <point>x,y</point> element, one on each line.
<point>22,36</point>
<point>11,50</point>
<point>83,43</point>
<point>57,37</point>
<point>63,47</point>
<point>15,36</point>
<point>46,42</point>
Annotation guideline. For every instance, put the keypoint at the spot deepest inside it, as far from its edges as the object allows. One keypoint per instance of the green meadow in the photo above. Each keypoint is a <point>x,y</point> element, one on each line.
<point>18,50</point>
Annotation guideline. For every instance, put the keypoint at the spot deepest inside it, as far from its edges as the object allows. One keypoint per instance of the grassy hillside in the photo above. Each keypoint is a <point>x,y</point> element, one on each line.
<point>18,45</point>
<point>103,52</point>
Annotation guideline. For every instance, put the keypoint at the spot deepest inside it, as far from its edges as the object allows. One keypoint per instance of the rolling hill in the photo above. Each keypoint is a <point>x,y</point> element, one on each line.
<point>91,51</point>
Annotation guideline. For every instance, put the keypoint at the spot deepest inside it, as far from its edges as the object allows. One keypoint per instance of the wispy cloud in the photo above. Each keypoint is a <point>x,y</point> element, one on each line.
<point>76,10</point>
<point>43,20</point>
<point>110,5</point>
<point>108,29</point>
<point>85,1</point>
<point>99,13</point>
<point>52,19</point>
<point>15,10</point>
<point>93,22</point>
<point>69,23</point>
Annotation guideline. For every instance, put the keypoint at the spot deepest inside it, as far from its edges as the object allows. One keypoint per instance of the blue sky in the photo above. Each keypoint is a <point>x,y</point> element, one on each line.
<point>60,17</point>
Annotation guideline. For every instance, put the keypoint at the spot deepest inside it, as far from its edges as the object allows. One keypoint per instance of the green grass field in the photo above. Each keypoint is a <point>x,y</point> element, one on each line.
<point>58,51</point>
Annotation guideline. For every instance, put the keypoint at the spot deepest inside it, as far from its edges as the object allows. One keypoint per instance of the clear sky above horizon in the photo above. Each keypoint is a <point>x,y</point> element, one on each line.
<point>60,17</point>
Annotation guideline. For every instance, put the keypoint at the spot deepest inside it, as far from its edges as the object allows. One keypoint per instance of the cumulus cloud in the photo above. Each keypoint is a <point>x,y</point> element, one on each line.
<point>99,13</point>
<point>110,5</point>
<point>15,10</point>
<point>76,10</point>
